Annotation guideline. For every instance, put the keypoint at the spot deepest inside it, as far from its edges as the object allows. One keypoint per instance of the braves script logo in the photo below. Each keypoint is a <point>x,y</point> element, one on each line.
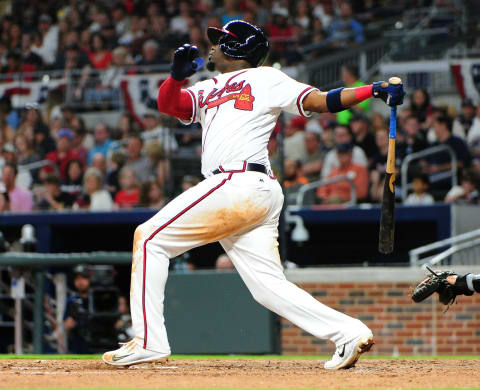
<point>237,91</point>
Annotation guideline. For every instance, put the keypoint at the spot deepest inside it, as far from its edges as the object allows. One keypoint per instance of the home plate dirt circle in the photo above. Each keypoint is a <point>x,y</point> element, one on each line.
<point>244,373</point>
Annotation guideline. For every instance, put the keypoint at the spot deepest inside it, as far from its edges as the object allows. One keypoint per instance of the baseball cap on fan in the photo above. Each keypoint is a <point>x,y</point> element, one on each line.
<point>81,270</point>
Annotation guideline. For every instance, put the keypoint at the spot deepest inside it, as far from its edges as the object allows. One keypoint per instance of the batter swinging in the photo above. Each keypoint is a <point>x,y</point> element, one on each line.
<point>239,202</point>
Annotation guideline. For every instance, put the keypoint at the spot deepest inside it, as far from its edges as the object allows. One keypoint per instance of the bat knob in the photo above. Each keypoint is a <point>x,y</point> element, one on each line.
<point>395,80</point>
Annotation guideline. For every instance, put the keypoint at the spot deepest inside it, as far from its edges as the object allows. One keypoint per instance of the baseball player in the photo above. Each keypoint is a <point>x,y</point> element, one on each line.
<point>239,202</point>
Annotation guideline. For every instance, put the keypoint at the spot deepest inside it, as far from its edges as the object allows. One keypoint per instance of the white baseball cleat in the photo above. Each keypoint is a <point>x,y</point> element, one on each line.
<point>131,353</point>
<point>346,355</point>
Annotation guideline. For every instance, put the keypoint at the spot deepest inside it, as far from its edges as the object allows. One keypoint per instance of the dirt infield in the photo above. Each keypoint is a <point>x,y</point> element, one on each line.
<point>231,373</point>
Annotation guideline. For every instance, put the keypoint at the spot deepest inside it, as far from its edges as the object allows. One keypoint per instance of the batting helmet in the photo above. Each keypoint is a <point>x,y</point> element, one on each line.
<point>242,40</point>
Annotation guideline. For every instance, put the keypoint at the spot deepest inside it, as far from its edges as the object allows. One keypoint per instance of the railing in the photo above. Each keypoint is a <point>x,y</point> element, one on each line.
<point>349,177</point>
<point>39,164</point>
<point>467,243</point>
<point>437,177</point>
<point>325,73</point>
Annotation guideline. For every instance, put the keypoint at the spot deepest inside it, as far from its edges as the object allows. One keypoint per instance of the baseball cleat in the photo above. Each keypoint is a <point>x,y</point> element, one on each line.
<point>346,355</point>
<point>131,353</point>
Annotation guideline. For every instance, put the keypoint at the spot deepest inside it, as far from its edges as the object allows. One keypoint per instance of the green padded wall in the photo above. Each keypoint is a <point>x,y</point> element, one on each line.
<point>214,313</point>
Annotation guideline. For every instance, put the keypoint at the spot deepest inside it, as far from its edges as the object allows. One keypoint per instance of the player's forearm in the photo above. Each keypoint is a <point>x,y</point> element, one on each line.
<point>173,100</point>
<point>336,100</point>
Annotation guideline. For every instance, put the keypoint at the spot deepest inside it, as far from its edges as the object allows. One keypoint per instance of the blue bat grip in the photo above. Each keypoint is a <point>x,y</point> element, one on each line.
<point>393,122</point>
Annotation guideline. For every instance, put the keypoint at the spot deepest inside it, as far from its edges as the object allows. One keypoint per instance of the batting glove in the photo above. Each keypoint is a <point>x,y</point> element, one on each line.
<point>392,94</point>
<point>185,62</point>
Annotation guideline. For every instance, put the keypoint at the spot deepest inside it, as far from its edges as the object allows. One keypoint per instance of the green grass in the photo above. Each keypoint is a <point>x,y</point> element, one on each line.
<point>221,357</point>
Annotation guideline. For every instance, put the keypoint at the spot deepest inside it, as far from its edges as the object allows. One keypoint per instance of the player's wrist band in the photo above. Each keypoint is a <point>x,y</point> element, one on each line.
<point>473,282</point>
<point>334,100</point>
<point>364,93</point>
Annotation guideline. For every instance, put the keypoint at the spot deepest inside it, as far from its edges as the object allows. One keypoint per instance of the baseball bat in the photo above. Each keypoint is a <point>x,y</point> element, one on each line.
<point>387,218</point>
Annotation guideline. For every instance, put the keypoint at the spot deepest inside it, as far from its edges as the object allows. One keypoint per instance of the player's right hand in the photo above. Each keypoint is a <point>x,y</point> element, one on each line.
<point>185,62</point>
<point>392,94</point>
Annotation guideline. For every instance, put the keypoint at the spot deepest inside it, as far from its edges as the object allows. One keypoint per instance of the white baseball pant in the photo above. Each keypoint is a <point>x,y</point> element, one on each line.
<point>241,210</point>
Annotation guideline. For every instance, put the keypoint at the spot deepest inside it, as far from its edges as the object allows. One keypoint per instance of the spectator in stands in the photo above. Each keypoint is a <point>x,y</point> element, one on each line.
<point>100,162</point>
<point>421,107</point>
<point>464,121</point>
<point>24,150</point>
<point>120,19</point>
<point>340,192</point>
<point>124,325</point>
<point>294,141</point>
<point>14,37</point>
<point>343,135</point>
<point>14,65</point>
<point>345,31</point>
<point>378,122</point>
<point>179,24</point>
<point>79,135</point>
<point>414,140</point>
<point>280,32</point>
<point>75,319</point>
<point>138,163</point>
<point>18,199</point>
<point>99,55</point>
<point>74,60</point>
<point>362,135</point>
<point>312,163</point>
<point>63,154</point>
<point>28,56</point>
<point>51,196</point>
<point>293,180</point>
<point>151,195</point>
<point>441,161</point>
<point>43,142</point>
<point>94,197</point>
<point>115,163</point>
<point>102,141</point>
<point>223,263</point>
<point>420,196</point>
<point>129,193</point>
<point>127,126</point>
<point>469,190</point>
<point>379,160</point>
<point>150,54</point>
<point>73,183</point>
<point>473,137</point>
<point>109,34</point>
<point>351,79</point>
<point>154,131</point>
<point>49,38</point>
<point>230,11</point>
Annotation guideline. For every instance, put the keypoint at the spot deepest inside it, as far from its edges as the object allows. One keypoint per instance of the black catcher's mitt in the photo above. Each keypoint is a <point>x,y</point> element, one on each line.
<point>437,282</point>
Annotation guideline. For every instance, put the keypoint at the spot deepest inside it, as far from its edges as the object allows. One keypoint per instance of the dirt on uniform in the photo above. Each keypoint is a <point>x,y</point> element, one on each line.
<point>231,373</point>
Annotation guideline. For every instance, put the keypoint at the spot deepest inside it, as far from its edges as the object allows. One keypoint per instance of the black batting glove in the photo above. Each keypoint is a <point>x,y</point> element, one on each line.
<point>183,65</point>
<point>392,94</point>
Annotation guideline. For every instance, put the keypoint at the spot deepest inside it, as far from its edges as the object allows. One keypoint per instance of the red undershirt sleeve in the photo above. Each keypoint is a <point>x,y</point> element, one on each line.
<point>175,101</point>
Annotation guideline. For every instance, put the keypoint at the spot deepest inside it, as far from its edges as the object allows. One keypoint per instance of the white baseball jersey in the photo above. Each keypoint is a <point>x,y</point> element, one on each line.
<point>239,110</point>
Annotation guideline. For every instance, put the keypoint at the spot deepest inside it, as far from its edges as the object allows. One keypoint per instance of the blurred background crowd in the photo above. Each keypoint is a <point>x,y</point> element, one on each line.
<point>134,162</point>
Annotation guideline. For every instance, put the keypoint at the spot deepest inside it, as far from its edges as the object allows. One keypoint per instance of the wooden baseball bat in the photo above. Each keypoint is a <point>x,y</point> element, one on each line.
<point>387,218</point>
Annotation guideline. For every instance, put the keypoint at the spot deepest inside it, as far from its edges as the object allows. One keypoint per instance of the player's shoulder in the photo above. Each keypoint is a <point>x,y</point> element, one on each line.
<point>269,71</point>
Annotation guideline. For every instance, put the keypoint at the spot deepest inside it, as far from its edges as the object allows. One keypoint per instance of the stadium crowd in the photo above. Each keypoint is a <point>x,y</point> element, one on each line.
<point>130,165</point>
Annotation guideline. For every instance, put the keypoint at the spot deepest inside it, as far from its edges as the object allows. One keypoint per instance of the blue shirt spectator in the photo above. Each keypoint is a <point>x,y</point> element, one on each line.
<point>103,142</point>
<point>346,31</point>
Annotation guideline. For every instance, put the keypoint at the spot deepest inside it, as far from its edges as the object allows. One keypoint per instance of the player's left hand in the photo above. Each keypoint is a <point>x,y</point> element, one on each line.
<point>185,62</point>
<point>392,94</point>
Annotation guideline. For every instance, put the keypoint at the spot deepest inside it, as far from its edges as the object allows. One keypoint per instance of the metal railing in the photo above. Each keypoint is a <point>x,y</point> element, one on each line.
<point>464,249</point>
<point>349,177</point>
<point>37,165</point>
<point>437,177</point>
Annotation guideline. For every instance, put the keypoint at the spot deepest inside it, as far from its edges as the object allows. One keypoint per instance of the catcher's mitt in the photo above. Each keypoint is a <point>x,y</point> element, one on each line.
<point>437,282</point>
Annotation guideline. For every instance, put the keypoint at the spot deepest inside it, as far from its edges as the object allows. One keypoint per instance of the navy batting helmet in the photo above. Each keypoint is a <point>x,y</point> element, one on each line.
<point>242,40</point>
